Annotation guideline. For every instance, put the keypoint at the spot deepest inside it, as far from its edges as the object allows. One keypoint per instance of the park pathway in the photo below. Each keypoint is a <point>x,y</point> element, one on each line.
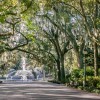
<point>38,90</point>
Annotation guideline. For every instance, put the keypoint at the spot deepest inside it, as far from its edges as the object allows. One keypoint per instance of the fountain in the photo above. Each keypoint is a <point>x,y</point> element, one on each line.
<point>23,74</point>
<point>23,63</point>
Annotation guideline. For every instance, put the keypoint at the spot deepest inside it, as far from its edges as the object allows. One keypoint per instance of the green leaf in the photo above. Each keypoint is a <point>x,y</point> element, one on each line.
<point>2,19</point>
<point>30,37</point>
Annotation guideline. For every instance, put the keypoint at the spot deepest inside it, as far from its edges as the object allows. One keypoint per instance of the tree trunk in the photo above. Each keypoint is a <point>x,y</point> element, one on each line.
<point>80,60</point>
<point>95,59</point>
<point>55,73</point>
<point>59,70</point>
<point>95,44</point>
<point>62,69</point>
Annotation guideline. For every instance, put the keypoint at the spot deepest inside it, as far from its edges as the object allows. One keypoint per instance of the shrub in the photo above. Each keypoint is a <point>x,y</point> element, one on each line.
<point>93,81</point>
<point>96,80</point>
<point>80,81</point>
<point>80,87</point>
<point>98,85</point>
<point>99,71</point>
<point>76,79</point>
<point>76,73</point>
<point>68,78</point>
<point>90,71</point>
<point>96,91</point>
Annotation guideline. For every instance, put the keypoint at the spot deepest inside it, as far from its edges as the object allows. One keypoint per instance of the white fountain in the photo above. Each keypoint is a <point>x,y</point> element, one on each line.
<point>23,63</point>
<point>24,73</point>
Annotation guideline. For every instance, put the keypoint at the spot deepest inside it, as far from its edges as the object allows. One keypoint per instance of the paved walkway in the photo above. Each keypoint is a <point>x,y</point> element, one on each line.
<point>42,91</point>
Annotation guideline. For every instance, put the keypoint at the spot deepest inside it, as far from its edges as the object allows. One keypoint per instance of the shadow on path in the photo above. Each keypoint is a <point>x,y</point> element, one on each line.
<point>42,91</point>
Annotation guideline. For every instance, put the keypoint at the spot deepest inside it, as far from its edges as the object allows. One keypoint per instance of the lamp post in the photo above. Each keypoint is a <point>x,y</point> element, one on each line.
<point>84,76</point>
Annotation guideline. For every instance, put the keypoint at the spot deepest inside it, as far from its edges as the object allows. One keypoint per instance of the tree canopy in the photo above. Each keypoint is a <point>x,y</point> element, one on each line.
<point>51,31</point>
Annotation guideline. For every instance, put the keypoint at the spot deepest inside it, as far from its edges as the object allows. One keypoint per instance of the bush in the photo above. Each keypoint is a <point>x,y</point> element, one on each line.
<point>76,73</point>
<point>96,91</point>
<point>80,87</point>
<point>90,71</point>
<point>93,81</point>
<point>75,79</point>
<point>99,71</point>
<point>96,80</point>
<point>80,81</point>
<point>98,85</point>
<point>90,89</point>
<point>68,78</point>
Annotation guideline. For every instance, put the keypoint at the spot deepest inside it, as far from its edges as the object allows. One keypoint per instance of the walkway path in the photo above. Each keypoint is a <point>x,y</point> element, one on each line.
<point>42,91</point>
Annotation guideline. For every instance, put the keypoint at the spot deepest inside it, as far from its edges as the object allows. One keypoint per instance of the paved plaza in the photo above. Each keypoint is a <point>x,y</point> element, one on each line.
<point>38,90</point>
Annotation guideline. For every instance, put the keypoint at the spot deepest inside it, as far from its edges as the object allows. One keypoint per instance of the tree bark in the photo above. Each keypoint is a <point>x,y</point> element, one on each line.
<point>95,44</point>
<point>59,70</point>
<point>62,69</point>
<point>95,59</point>
<point>80,59</point>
